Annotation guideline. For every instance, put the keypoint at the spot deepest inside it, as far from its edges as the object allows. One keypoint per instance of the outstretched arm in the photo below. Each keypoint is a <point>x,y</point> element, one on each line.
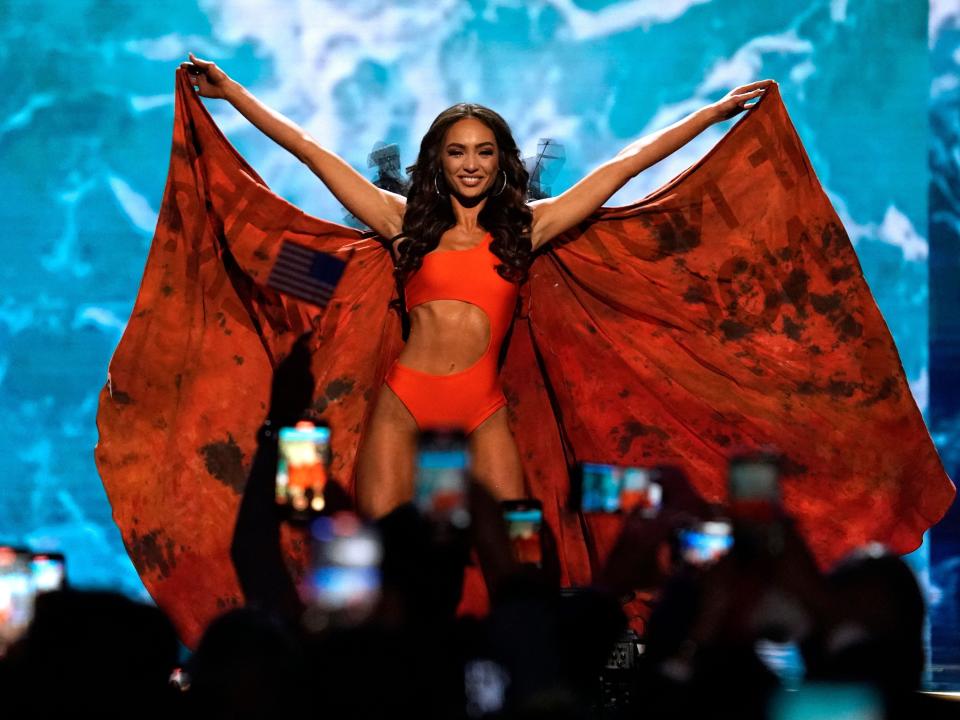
<point>379,209</point>
<point>552,216</point>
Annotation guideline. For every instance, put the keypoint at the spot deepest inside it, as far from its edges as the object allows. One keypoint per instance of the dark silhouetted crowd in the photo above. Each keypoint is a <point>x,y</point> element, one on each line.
<point>542,651</point>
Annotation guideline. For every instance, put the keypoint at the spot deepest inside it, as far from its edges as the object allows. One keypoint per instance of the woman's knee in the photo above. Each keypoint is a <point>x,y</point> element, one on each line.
<point>375,502</point>
<point>383,479</point>
<point>497,466</point>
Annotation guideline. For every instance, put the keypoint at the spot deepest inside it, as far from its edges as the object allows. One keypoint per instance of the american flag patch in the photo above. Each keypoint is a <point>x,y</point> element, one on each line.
<point>305,273</point>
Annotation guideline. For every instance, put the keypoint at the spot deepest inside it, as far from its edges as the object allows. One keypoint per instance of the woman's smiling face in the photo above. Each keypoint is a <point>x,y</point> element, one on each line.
<point>470,151</point>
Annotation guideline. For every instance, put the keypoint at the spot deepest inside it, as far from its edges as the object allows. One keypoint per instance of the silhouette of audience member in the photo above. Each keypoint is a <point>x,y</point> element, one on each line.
<point>248,664</point>
<point>92,653</point>
<point>871,632</point>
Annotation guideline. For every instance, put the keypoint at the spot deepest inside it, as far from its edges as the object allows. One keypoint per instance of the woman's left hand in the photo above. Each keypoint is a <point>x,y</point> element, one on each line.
<point>735,101</point>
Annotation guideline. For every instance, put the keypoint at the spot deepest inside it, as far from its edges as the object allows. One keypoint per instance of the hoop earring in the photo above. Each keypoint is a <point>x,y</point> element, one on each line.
<point>435,183</point>
<point>502,186</point>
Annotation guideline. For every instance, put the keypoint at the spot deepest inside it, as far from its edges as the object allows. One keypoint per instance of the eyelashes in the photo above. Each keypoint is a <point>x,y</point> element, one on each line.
<point>482,152</point>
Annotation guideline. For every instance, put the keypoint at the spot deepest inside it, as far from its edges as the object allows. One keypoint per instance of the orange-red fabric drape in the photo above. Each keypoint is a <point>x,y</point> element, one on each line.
<point>727,309</point>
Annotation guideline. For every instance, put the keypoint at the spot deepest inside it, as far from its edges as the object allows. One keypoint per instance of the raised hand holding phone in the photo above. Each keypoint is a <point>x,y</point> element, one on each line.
<point>303,468</point>
<point>704,542</point>
<point>442,477</point>
<point>524,520</point>
<point>641,557</point>
<point>608,488</point>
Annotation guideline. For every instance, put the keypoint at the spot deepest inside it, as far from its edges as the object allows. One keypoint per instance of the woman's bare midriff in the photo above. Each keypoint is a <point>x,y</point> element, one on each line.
<point>446,336</point>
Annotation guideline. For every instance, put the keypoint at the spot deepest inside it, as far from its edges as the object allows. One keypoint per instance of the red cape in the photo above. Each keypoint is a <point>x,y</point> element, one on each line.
<point>727,309</point>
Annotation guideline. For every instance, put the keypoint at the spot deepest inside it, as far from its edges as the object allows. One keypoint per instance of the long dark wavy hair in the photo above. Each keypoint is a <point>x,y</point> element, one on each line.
<point>428,215</point>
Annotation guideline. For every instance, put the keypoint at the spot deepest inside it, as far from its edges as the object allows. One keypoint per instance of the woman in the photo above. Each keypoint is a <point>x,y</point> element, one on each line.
<point>726,309</point>
<point>468,195</point>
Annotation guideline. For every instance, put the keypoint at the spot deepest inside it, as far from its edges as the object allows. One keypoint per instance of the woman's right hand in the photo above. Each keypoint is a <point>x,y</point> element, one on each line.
<point>204,74</point>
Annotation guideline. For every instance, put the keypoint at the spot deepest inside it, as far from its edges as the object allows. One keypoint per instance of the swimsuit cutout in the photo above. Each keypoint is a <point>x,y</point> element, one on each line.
<point>465,398</point>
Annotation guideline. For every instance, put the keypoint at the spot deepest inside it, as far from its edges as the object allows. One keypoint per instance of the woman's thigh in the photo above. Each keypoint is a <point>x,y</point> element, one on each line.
<point>385,458</point>
<point>495,459</point>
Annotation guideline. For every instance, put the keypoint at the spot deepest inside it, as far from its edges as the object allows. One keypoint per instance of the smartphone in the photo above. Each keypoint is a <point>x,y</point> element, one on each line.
<point>49,571</point>
<point>17,594</point>
<point>600,487</point>
<point>610,488</point>
<point>303,467</point>
<point>815,700</point>
<point>524,520</point>
<point>442,477</point>
<point>342,583</point>
<point>485,683</point>
<point>640,491</point>
<point>754,486</point>
<point>705,542</point>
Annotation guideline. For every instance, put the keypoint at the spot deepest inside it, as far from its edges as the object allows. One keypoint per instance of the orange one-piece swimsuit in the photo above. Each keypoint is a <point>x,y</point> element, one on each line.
<point>465,398</point>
